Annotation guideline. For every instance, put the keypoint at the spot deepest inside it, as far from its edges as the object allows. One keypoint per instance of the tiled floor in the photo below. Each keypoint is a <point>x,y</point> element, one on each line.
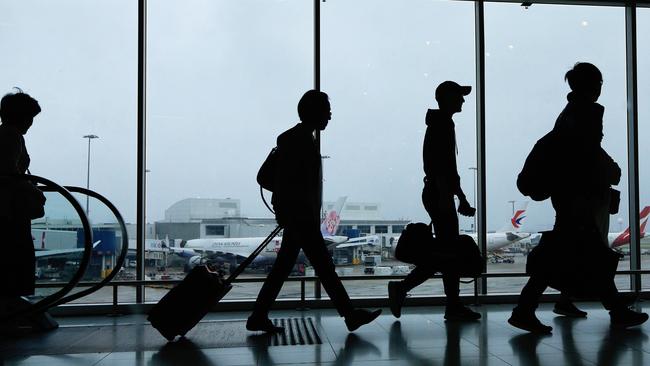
<point>420,337</point>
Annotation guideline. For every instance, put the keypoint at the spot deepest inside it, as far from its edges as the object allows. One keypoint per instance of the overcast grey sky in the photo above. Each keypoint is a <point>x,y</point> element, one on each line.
<point>224,78</point>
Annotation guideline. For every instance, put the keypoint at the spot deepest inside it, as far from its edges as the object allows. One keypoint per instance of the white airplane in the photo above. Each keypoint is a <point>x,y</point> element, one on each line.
<point>616,240</point>
<point>229,249</point>
<point>509,234</point>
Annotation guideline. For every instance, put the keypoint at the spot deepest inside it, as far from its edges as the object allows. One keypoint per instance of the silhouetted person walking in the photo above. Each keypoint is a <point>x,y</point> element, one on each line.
<point>297,201</point>
<point>441,184</point>
<point>17,266</point>
<point>581,195</point>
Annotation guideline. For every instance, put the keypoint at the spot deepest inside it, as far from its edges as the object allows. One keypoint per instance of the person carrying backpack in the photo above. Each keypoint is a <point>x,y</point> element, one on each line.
<point>578,180</point>
<point>296,175</point>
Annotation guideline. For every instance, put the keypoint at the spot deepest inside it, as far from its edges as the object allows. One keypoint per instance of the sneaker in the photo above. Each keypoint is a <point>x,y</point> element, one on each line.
<point>359,317</point>
<point>461,312</point>
<point>567,308</point>
<point>528,322</point>
<point>262,324</point>
<point>626,318</point>
<point>395,298</point>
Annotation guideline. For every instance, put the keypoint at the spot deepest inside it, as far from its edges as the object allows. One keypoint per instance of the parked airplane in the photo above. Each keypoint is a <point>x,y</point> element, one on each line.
<point>231,249</point>
<point>509,234</point>
<point>616,240</point>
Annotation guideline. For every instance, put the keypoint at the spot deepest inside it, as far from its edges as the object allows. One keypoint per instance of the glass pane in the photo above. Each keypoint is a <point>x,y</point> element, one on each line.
<point>381,63</point>
<point>58,243</point>
<point>79,60</point>
<point>528,52</point>
<point>224,79</point>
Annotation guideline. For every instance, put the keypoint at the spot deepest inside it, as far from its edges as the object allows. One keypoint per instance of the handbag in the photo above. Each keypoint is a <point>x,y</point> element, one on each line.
<point>415,239</point>
<point>416,245</point>
<point>575,263</point>
<point>21,199</point>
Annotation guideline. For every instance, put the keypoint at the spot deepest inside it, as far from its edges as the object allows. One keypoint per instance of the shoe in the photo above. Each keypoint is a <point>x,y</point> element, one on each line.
<point>461,312</point>
<point>395,298</point>
<point>262,324</point>
<point>43,322</point>
<point>528,322</point>
<point>359,317</point>
<point>626,318</point>
<point>567,308</point>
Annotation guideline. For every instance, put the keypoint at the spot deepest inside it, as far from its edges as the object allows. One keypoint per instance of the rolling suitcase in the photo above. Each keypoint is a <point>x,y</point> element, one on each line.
<point>187,303</point>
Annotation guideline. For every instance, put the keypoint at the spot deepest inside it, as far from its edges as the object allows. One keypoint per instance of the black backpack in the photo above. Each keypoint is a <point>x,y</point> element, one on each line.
<point>266,175</point>
<point>536,177</point>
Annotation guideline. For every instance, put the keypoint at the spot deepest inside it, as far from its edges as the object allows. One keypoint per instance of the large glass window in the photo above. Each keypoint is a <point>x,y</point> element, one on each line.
<point>381,63</point>
<point>643,68</point>
<point>528,52</point>
<point>224,79</point>
<point>79,60</point>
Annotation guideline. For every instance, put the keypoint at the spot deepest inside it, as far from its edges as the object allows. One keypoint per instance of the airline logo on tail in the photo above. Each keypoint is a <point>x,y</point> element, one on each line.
<point>332,219</point>
<point>517,218</point>
<point>624,237</point>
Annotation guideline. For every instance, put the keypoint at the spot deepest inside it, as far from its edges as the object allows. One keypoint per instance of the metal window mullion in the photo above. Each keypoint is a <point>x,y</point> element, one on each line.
<point>479,32</point>
<point>317,45</point>
<point>633,142</point>
<point>141,164</point>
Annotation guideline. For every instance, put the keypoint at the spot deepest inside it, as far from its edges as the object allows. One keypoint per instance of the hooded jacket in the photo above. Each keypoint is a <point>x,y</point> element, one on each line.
<point>439,153</point>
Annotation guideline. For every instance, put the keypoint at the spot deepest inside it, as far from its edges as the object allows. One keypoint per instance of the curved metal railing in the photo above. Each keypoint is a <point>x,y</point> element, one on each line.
<point>121,258</point>
<point>52,299</point>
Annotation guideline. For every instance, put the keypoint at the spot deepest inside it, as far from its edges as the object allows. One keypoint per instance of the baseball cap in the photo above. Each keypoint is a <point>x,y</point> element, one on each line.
<point>452,87</point>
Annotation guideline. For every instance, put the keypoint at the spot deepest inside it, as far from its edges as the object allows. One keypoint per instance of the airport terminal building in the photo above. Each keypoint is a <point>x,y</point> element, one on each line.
<point>205,218</point>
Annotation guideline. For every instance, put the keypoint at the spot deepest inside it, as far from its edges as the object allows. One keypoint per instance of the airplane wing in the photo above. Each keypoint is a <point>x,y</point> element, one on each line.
<point>513,237</point>
<point>334,240</point>
<point>47,253</point>
<point>364,240</point>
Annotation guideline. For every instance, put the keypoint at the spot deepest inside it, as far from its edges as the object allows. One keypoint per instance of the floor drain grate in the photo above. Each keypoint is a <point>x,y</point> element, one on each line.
<point>296,331</point>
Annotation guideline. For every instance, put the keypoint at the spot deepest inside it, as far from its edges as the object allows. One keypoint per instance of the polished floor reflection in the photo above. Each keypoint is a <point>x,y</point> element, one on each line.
<point>420,337</point>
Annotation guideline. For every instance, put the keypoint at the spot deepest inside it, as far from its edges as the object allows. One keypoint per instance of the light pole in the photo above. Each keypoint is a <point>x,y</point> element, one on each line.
<point>513,207</point>
<point>89,137</point>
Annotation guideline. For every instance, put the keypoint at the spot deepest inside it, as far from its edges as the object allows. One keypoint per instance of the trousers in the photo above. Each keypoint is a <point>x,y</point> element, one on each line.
<point>310,240</point>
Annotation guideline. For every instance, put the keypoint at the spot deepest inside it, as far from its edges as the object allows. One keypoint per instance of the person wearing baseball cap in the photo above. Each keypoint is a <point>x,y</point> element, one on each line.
<point>441,184</point>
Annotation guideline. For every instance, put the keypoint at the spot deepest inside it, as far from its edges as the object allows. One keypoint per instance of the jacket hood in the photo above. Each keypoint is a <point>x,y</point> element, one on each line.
<point>434,115</point>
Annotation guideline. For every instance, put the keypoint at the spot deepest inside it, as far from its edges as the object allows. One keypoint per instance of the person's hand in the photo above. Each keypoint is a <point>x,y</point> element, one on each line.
<point>465,209</point>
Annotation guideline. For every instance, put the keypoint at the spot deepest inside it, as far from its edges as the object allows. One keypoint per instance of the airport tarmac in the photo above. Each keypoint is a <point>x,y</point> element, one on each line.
<point>356,288</point>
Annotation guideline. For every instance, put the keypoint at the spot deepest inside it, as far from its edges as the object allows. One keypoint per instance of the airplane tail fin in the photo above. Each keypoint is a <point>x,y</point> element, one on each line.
<point>516,221</point>
<point>624,237</point>
<point>332,219</point>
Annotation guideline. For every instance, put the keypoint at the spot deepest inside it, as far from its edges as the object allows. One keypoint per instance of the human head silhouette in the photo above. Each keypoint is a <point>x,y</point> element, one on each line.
<point>585,80</point>
<point>314,109</point>
<point>450,96</point>
<point>18,110</point>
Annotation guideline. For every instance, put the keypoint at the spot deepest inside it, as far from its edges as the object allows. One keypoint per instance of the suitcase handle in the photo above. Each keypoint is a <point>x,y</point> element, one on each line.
<point>255,253</point>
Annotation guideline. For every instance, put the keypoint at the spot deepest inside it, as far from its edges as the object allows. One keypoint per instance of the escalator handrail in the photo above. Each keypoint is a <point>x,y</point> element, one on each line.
<point>49,300</point>
<point>120,260</point>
